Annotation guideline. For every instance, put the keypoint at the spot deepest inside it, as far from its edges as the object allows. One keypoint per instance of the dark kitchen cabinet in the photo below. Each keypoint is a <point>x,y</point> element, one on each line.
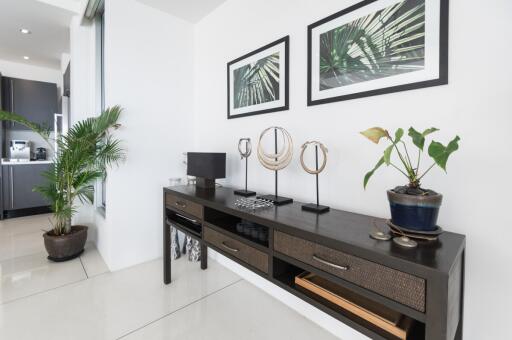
<point>66,83</point>
<point>18,181</point>
<point>35,100</point>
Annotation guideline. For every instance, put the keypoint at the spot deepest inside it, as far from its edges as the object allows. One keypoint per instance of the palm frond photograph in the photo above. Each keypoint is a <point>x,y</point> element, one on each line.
<point>382,44</point>
<point>258,81</point>
<point>376,47</point>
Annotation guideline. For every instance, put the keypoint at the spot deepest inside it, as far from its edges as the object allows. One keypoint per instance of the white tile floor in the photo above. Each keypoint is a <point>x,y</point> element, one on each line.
<point>24,269</point>
<point>80,299</point>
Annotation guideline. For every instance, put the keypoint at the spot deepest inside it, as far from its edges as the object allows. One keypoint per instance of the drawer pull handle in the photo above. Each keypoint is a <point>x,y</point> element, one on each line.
<point>330,264</point>
<point>188,219</point>
<point>180,204</point>
<point>234,250</point>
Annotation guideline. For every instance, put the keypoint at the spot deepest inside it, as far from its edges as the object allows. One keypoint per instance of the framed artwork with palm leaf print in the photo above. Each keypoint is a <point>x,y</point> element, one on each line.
<point>377,47</point>
<point>258,81</point>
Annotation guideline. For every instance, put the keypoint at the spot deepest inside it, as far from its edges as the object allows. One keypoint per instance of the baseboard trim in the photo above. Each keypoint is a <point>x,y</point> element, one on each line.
<point>26,212</point>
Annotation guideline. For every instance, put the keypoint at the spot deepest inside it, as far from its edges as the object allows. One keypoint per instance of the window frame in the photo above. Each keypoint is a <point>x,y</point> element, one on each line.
<point>99,21</point>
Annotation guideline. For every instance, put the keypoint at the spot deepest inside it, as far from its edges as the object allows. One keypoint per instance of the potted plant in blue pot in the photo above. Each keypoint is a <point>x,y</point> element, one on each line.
<point>412,207</point>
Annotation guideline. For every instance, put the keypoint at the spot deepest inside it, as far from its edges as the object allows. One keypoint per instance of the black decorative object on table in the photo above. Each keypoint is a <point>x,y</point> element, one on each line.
<point>252,231</point>
<point>277,161</point>
<point>206,167</point>
<point>253,204</point>
<point>317,208</point>
<point>245,154</point>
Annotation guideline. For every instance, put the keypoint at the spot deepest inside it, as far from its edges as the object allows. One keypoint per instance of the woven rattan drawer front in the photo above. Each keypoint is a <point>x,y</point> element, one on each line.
<point>184,205</point>
<point>393,284</point>
<point>241,251</point>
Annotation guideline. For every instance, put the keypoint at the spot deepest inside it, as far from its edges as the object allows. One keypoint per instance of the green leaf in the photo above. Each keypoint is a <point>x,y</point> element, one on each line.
<point>387,154</point>
<point>429,131</point>
<point>419,138</point>
<point>440,153</point>
<point>398,135</point>
<point>370,173</point>
<point>375,134</point>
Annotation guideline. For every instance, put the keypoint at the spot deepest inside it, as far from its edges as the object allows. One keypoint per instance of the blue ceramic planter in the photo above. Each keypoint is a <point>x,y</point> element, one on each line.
<point>414,212</point>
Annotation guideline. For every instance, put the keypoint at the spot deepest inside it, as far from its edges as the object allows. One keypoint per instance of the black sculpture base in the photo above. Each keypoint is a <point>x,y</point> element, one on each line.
<point>245,193</point>
<point>277,200</point>
<point>319,209</point>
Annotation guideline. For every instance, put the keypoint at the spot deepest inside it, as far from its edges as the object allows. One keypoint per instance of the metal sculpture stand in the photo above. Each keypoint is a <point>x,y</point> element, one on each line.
<point>245,193</point>
<point>316,208</point>
<point>276,199</point>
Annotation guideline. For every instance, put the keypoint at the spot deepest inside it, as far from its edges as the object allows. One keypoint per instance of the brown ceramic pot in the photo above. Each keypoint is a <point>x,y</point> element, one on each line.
<point>65,247</point>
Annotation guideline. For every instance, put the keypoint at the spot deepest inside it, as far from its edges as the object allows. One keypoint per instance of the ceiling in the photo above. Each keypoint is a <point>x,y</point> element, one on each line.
<point>190,10</point>
<point>48,20</point>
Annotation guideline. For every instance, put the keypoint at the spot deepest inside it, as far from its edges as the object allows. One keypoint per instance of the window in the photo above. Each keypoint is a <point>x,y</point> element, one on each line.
<point>100,84</point>
<point>102,70</point>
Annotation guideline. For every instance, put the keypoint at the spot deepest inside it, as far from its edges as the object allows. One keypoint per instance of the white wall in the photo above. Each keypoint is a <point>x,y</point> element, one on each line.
<point>83,69</point>
<point>148,63</point>
<point>476,105</point>
<point>30,72</point>
<point>83,99</point>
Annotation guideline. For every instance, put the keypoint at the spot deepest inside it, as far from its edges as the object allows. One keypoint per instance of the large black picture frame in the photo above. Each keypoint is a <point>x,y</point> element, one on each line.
<point>286,105</point>
<point>443,58</point>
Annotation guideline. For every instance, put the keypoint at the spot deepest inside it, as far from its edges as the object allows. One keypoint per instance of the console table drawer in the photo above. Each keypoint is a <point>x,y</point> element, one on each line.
<point>184,205</point>
<point>242,251</point>
<point>393,284</point>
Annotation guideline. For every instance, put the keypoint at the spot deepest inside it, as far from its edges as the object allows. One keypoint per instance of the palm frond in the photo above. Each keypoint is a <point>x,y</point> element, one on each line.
<point>107,120</point>
<point>83,156</point>
<point>44,132</point>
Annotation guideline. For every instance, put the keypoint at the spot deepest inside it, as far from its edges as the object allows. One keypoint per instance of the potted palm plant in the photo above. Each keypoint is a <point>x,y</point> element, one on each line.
<point>81,158</point>
<point>412,207</point>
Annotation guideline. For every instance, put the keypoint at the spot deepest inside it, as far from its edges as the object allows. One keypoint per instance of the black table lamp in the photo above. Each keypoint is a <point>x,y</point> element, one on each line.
<point>206,167</point>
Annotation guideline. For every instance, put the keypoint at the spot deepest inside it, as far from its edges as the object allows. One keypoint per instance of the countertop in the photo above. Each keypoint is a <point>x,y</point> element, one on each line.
<point>7,162</point>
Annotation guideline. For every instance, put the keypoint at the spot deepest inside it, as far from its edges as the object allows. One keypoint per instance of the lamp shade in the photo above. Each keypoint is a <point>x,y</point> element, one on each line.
<point>208,165</point>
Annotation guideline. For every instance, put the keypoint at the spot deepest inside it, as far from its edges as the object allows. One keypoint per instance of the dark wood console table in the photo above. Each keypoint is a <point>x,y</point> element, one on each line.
<point>425,284</point>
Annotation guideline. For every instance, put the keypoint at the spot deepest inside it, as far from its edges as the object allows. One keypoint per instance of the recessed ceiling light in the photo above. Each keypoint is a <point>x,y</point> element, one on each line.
<point>25,31</point>
<point>26,57</point>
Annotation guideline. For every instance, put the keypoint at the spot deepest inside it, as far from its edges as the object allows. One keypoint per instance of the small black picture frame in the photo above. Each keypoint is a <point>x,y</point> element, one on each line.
<point>315,87</point>
<point>266,90</point>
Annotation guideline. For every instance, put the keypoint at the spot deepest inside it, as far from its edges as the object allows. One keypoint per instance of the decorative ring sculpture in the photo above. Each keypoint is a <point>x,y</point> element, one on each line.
<point>248,147</point>
<point>324,161</point>
<point>281,159</point>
